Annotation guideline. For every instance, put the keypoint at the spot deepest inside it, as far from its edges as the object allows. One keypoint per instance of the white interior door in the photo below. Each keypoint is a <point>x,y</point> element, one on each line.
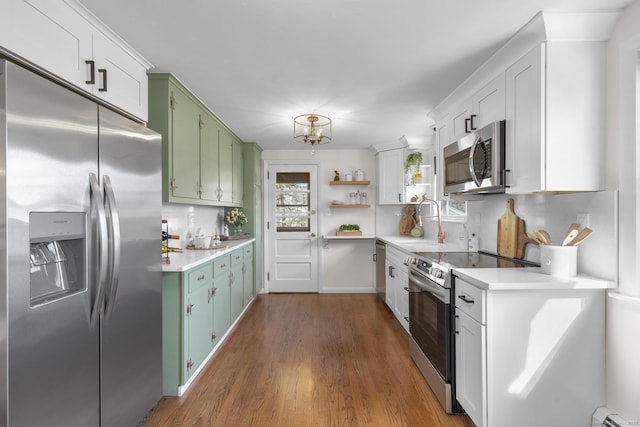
<point>292,202</point>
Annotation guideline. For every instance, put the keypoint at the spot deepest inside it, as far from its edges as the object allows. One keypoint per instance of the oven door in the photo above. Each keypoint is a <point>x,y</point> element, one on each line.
<point>430,326</point>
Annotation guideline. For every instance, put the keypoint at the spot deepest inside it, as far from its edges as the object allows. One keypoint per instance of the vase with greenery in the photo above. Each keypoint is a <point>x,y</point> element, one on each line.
<point>237,219</point>
<point>412,167</point>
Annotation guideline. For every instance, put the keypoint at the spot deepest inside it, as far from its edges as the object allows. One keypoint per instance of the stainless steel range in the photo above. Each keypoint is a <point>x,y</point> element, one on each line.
<point>431,315</point>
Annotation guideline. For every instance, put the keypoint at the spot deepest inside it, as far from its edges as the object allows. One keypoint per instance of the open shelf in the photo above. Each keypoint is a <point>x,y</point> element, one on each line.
<point>349,182</point>
<point>349,206</point>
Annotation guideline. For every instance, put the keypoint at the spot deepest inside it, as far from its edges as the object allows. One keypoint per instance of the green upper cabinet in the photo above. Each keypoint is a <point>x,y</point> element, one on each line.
<point>198,164</point>
<point>237,193</point>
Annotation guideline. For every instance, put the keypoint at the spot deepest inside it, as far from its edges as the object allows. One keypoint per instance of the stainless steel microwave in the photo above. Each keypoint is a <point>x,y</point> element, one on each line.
<point>475,163</point>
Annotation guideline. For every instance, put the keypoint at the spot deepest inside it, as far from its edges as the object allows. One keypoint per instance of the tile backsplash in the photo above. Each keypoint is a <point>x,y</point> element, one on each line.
<point>210,220</point>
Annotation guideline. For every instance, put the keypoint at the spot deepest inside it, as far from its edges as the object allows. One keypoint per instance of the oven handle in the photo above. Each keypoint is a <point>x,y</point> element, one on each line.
<point>427,285</point>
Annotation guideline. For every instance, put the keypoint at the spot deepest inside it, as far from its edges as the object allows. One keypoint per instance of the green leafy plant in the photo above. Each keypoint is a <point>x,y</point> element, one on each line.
<point>413,159</point>
<point>236,217</point>
<point>349,227</point>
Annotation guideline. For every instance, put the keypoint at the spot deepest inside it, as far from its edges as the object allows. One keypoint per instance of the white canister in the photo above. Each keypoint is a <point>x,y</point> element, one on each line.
<point>348,177</point>
<point>561,261</point>
<point>359,174</point>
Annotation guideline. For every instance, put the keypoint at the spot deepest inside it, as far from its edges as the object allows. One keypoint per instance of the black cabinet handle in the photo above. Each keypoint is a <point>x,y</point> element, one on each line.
<point>466,299</point>
<point>103,72</point>
<point>92,72</point>
<point>473,122</point>
<point>467,123</point>
<point>406,318</point>
<point>391,271</point>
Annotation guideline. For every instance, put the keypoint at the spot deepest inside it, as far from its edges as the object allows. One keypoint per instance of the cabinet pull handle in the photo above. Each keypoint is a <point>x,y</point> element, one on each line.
<point>467,123</point>
<point>103,72</point>
<point>201,277</point>
<point>400,197</point>
<point>455,326</point>
<point>406,318</point>
<point>406,288</point>
<point>466,299</point>
<point>391,271</point>
<point>504,177</point>
<point>473,122</point>
<point>92,72</point>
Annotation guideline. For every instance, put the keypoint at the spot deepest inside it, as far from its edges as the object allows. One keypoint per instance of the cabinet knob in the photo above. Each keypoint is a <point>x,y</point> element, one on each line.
<point>313,234</point>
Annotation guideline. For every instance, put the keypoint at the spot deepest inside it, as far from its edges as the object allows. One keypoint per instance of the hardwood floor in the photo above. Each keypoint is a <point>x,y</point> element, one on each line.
<point>310,360</point>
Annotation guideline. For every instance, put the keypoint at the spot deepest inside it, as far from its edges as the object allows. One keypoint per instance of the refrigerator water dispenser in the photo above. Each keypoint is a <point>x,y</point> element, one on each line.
<point>56,255</point>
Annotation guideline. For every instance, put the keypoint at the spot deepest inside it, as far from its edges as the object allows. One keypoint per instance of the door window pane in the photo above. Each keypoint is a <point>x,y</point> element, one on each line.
<point>292,201</point>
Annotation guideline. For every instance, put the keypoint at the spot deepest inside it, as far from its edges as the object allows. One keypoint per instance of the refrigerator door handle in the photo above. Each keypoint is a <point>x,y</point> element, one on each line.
<point>113,225</point>
<point>96,199</point>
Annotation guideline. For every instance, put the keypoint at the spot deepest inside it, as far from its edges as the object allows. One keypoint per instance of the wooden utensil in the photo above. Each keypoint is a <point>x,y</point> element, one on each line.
<point>570,229</point>
<point>533,237</point>
<point>547,236</point>
<point>583,234</point>
<point>508,232</point>
<point>569,237</point>
<point>542,237</point>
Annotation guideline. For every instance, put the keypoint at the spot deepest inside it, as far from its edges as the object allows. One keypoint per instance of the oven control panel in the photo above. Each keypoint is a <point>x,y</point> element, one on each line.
<point>430,269</point>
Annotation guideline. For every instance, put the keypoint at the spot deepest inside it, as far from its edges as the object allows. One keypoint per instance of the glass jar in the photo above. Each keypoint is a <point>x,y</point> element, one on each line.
<point>363,198</point>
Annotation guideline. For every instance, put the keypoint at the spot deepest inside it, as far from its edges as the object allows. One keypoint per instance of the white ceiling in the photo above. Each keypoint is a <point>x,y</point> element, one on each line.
<point>376,66</point>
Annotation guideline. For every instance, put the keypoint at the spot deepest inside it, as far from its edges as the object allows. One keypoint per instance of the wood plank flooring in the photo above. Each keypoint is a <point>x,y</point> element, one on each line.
<point>310,360</point>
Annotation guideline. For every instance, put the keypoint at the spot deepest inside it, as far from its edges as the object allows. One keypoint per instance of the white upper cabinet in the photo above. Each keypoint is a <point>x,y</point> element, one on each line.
<point>65,40</point>
<point>391,177</point>
<point>555,119</point>
<point>442,140</point>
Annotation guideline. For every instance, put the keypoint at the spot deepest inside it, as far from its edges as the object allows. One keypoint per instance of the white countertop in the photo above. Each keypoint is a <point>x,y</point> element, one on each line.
<point>191,258</point>
<point>419,244</point>
<point>527,279</point>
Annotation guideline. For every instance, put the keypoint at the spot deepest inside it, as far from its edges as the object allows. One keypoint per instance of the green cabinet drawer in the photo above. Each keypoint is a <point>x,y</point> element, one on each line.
<point>236,257</point>
<point>248,251</point>
<point>221,266</point>
<point>199,277</point>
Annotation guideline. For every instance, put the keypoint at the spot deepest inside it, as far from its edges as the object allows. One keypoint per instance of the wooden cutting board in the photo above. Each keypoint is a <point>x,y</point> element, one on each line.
<point>407,221</point>
<point>512,234</point>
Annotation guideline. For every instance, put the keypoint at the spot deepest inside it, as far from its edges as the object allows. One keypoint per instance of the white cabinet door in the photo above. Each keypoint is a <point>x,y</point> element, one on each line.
<point>471,373</point>
<point>49,35</point>
<point>390,284</point>
<point>442,140</point>
<point>391,177</point>
<point>488,104</point>
<point>460,121</point>
<point>121,78</point>
<point>525,122</point>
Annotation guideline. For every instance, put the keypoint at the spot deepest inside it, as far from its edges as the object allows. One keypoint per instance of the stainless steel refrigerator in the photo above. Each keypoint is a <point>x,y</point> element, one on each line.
<point>80,227</point>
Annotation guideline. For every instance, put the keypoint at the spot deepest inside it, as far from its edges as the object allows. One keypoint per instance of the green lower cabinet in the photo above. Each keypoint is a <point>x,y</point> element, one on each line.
<point>236,283</point>
<point>198,308</point>
<point>248,282</point>
<point>199,317</point>
<point>221,298</point>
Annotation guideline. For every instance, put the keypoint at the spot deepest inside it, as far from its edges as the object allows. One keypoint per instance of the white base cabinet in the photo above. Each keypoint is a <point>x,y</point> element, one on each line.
<point>529,358</point>
<point>397,286</point>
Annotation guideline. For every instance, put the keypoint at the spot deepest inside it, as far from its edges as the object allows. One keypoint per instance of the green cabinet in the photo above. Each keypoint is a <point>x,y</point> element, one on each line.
<point>198,308</point>
<point>221,297</point>
<point>252,157</point>
<point>248,285</point>
<point>198,165</point>
<point>236,283</point>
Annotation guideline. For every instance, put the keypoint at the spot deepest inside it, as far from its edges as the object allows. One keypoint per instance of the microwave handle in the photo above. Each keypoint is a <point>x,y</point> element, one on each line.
<point>472,171</point>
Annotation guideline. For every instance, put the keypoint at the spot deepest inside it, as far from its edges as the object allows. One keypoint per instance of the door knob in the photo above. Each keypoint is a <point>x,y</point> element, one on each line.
<point>313,234</point>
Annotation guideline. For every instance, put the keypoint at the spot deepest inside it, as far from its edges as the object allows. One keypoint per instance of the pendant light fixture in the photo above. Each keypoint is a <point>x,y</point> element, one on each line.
<point>314,129</point>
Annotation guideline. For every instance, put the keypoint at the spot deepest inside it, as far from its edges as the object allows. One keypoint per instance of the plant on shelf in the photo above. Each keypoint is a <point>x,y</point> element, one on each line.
<point>412,167</point>
<point>349,230</point>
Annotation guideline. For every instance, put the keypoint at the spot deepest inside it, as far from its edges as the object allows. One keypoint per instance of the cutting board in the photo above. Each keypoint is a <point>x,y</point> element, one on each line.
<point>407,221</point>
<point>512,234</point>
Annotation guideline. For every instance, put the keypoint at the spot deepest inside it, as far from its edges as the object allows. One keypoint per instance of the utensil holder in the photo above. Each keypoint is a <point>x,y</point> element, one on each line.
<point>560,261</point>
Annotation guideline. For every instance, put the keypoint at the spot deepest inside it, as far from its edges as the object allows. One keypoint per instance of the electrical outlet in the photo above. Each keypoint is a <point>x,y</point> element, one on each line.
<point>583,219</point>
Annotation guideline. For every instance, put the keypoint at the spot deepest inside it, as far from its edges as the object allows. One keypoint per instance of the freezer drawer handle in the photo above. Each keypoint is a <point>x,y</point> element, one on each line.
<point>96,198</point>
<point>113,226</point>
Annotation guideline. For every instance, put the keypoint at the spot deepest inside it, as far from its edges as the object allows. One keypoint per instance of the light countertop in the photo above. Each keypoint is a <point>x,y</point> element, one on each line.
<point>191,258</point>
<point>527,279</point>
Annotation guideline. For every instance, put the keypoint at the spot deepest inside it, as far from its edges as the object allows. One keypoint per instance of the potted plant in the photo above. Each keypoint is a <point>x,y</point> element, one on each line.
<point>412,167</point>
<point>349,230</point>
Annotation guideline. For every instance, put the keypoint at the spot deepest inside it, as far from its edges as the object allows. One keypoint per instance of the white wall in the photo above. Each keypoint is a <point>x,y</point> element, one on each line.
<point>347,265</point>
<point>623,308</point>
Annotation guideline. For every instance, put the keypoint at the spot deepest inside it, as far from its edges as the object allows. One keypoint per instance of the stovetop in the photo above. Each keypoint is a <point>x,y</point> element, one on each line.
<point>473,260</point>
<point>437,265</point>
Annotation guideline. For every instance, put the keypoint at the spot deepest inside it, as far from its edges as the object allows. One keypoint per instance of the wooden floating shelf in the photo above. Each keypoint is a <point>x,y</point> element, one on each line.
<point>349,206</point>
<point>349,182</point>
